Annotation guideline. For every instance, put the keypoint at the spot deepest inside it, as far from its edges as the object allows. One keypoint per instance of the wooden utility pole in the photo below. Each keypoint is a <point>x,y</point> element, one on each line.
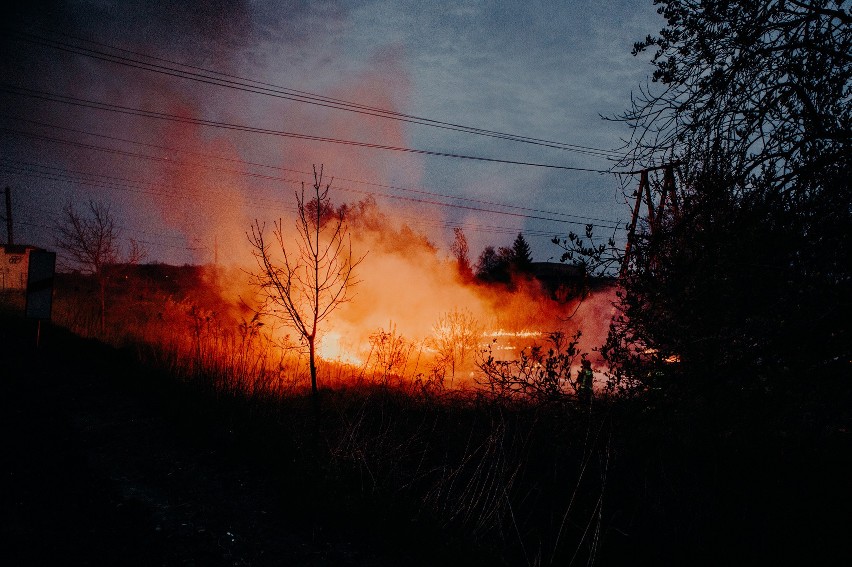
<point>10,240</point>
<point>668,196</point>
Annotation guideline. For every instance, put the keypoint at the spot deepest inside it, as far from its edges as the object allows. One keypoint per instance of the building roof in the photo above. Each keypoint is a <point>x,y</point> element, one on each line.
<point>18,248</point>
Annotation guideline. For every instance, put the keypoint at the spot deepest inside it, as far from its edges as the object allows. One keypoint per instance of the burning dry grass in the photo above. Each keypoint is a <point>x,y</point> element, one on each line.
<point>198,322</point>
<point>407,419</point>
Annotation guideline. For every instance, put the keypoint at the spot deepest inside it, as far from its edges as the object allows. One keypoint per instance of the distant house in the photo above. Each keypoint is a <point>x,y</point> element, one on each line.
<point>14,263</point>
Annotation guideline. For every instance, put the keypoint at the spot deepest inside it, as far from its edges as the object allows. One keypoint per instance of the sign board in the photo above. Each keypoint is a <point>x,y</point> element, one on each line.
<point>40,284</point>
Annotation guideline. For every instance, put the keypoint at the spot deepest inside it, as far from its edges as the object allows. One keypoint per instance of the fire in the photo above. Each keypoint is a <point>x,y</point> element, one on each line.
<point>410,314</point>
<point>408,281</point>
<point>671,359</point>
<point>332,348</point>
<point>524,337</point>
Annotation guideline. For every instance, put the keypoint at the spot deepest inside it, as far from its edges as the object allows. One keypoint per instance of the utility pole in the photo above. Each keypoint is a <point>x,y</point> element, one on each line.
<point>667,192</point>
<point>11,240</point>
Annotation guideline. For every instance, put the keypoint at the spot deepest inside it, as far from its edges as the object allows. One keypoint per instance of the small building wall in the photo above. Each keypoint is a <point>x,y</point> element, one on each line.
<point>14,263</point>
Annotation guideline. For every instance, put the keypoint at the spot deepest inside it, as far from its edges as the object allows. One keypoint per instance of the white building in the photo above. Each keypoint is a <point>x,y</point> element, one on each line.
<point>14,263</point>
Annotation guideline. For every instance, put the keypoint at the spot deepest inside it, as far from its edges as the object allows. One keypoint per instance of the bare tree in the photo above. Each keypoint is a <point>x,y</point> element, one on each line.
<point>304,281</point>
<point>455,338</point>
<point>91,240</point>
<point>461,252</point>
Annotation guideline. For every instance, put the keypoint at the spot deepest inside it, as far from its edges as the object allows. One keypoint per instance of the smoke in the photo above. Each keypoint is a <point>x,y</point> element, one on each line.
<point>149,196</point>
<point>407,284</point>
<point>207,205</point>
<point>193,192</point>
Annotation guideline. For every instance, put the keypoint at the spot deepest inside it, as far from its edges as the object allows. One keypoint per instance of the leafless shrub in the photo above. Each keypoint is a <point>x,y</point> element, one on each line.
<point>455,338</point>
<point>390,352</point>
<point>538,375</point>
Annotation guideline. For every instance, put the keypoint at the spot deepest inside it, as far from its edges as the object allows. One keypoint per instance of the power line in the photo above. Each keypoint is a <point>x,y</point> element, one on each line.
<point>470,208</point>
<point>111,182</point>
<point>615,225</point>
<point>97,105</point>
<point>475,228</point>
<point>108,182</point>
<point>149,242</point>
<point>56,218</point>
<point>307,173</point>
<point>209,76</point>
<point>112,185</point>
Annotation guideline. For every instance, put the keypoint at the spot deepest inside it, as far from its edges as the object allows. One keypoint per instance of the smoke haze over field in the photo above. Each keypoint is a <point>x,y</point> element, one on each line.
<point>97,106</point>
<point>456,62</point>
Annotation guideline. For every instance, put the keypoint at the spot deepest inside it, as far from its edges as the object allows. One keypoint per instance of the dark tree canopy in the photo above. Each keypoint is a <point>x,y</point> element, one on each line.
<point>764,83</point>
<point>521,254</point>
<point>499,265</point>
<point>493,265</point>
<point>747,283</point>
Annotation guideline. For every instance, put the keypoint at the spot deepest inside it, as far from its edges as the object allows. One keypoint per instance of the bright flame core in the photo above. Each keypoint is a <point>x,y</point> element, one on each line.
<point>331,348</point>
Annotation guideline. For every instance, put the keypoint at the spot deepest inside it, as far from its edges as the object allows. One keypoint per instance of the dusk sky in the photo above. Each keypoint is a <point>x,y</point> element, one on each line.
<point>545,70</point>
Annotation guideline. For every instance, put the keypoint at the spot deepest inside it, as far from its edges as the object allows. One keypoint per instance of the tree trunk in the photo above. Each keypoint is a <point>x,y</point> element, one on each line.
<point>312,350</point>
<point>102,284</point>
<point>315,401</point>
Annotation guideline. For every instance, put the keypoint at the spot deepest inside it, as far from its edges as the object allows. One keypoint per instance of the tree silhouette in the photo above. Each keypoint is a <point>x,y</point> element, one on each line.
<point>91,240</point>
<point>521,255</point>
<point>461,252</point>
<point>746,282</point>
<point>313,275</point>
<point>493,265</point>
<point>498,265</point>
<point>763,83</point>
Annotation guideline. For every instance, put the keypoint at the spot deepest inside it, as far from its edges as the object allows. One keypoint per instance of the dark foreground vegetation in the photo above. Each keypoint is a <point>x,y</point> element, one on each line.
<point>110,460</point>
